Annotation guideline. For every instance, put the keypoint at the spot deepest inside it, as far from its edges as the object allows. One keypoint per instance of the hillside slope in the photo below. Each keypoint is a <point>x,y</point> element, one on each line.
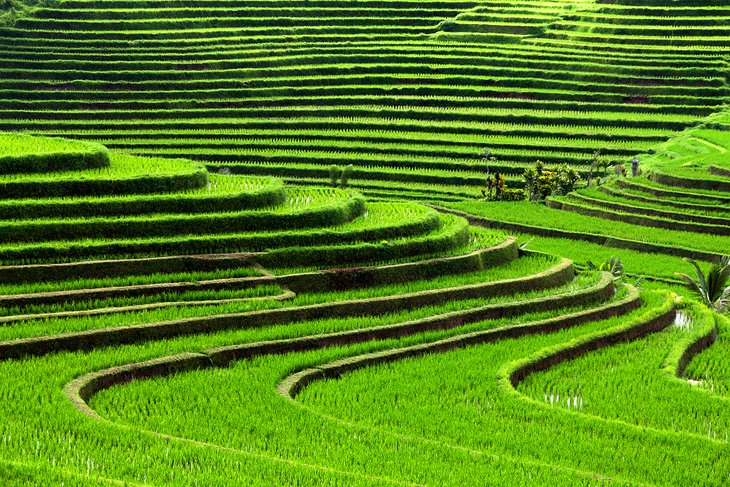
<point>404,91</point>
<point>164,323</point>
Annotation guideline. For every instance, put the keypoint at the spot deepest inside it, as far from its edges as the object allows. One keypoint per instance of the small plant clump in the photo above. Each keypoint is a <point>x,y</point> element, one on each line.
<point>541,182</point>
<point>346,175</point>
<point>334,175</point>
<point>613,265</point>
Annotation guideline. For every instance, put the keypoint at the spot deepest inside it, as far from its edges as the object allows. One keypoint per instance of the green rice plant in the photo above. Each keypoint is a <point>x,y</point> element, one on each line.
<point>521,268</point>
<point>405,94</point>
<point>25,154</point>
<point>221,194</point>
<point>136,303</point>
<point>311,209</point>
<point>115,403</point>
<point>709,368</point>
<point>638,391</point>
<point>125,175</point>
<point>541,217</point>
<point>382,221</point>
<point>252,470</point>
<point>126,280</point>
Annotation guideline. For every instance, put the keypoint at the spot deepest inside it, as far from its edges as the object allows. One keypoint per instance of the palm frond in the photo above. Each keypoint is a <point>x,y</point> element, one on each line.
<point>692,284</point>
<point>711,286</point>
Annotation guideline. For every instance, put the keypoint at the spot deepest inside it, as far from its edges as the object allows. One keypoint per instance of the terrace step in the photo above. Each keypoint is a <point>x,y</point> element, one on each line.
<point>680,224</point>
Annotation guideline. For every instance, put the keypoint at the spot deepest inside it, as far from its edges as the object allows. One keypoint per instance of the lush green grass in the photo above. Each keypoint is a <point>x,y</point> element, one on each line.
<point>429,75</point>
<point>597,197</point>
<point>122,167</point>
<point>19,145</point>
<point>466,393</point>
<point>524,267</point>
<point>539,216</point>
<point>379,418</point>
<point>222,193</point>
<point>637,390</point>
<point>635,263</point>
<point>413,95</point>
<point>381,221</point>
<point>710,368</point>
<point>268,408</point>
<point>209,298</point>
<point>127,280</point>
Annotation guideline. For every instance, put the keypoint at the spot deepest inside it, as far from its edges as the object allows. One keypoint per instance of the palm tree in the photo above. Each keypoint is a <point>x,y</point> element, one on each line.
<point>713,287</point>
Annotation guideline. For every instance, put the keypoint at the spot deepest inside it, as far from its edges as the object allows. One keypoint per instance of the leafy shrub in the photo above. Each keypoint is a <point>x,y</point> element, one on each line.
<point>508,194</point>
<point>346,174</point>
<point>334,175</point>
<point>541,182</point>
<point>565,179</point>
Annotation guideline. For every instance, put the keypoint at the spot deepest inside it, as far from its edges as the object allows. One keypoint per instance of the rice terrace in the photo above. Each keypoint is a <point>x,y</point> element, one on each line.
<point>364,243</point>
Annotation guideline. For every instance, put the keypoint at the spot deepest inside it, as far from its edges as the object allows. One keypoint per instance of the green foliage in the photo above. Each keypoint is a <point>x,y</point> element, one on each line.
<point>541,182</point>
<point>301,91</point>
<point>710,368</point>
<point>334,175</point>
<point>640,380</point>
<point>21,153</point>
<point>565,179</point>
<point>544,220</point>
<point>316,209</point>
<point>221,194</point>
<point>497,189</point>
<point>346,175</point>
<point>612,265</point>
<point>712,286</point>
<point>126,175</point>
<point>508,194</point>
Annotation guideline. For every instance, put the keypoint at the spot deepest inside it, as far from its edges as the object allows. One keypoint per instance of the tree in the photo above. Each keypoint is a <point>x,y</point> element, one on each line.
<point>712,287</point>
<point>538,182</point>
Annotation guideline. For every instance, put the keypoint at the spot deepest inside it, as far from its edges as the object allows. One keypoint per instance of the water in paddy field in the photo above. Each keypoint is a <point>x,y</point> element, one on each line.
<point>683,321</point>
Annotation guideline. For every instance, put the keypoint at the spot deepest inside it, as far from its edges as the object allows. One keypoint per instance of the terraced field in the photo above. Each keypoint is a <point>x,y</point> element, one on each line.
<point>410,94</point>
<point>186,299</point>
<point>160,327</point>
<point>678,209</point>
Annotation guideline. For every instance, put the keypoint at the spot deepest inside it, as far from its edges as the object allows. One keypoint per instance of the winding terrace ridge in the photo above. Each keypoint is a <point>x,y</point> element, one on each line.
<point>606,240</point>
<point>328,279</point>
<point>667,214</point>
<point>672,192</point>
<point>409,96</point>
<point>558,275</point>
<point>585,206</point>
<point>292,385</point>
<point>284,295</point>
<point>709,207</point>
<point>80,390</point>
